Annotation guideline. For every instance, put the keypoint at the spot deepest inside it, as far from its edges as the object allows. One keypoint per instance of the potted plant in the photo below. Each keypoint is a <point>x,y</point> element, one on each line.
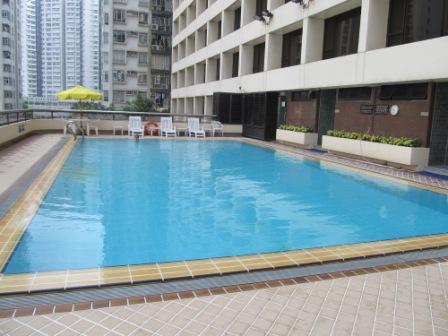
<point>400,151</point>
<point>297,135</point>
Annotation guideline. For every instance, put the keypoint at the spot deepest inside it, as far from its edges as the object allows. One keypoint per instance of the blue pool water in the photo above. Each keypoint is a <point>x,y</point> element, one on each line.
<point>118,202</point>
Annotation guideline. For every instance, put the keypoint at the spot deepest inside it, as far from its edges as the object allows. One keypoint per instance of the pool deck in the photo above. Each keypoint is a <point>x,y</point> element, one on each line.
<point>389,300</point>
<point>393,301</point>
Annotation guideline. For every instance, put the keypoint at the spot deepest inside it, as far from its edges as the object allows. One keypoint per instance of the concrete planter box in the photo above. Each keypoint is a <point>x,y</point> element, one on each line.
<point>298,138</point>
<point>412,157</point>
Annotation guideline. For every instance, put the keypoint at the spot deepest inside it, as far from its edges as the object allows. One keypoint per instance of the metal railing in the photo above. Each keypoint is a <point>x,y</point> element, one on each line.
<point>14,116</point>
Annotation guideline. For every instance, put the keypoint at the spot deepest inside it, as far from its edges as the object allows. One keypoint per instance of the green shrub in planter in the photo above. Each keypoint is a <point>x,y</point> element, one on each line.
<point>397,141</point>
<point>293,128</point>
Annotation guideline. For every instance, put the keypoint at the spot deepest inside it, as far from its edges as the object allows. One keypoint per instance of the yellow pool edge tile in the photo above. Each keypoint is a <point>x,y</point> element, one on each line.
<point>159,272</point>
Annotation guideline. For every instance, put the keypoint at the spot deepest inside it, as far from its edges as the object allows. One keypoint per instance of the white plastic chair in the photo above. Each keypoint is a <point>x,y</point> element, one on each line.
<point>217,127</point>
<point>194,128</point>
<point>135,126</point>
<point>166,127</point>
<point>91,126</point>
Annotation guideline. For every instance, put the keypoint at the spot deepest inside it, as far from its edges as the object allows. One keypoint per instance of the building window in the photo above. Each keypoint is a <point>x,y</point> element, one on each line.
<point>235,64</point>
<point>119,57</point>
<point>119,16</point>
<point>404,92</point>
<point>260,6</point>
<point>237,19</point>
<point>106,18</point>
<point>143,18</point>
<point>142,58</point>
<point>292,48</point>
<point>342,34</point>
<point>359,93</point>
<point>298,96</point>
<point>119,36</point>
<point>416,20</point>
<point>143,39</point>
<point>258,58</point>
<point>118,76</point>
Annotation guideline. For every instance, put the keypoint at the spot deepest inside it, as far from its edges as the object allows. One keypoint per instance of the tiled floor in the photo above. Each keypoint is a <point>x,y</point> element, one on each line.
<point>409,301</point>
<point>20,157</point>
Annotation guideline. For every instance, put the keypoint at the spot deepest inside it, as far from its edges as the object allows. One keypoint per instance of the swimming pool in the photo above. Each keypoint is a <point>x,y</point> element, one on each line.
<point>119,202</point>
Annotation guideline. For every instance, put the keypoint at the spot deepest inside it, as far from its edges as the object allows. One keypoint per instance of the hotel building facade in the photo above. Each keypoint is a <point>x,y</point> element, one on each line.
<point>325,64</point>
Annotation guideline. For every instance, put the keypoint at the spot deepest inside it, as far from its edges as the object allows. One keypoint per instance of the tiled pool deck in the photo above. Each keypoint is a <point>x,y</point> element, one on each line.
<point>393,301</point>
<point>16,220</point>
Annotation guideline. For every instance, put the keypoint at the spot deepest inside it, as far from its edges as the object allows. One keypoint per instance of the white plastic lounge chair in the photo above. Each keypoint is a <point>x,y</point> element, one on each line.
<point>194,128</point>
<point>217,127</point>
<point>166,127</point>
<point>135,126</point>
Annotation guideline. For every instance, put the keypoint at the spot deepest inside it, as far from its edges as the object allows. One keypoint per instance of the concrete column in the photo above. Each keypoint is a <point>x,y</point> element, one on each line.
<point>211,70</point>
<point>246,60</point>
<point>198,105</point>
<point>226,65</point>
<point>212,32</point>
<point>175,27</point>
<point>312,40</point>
<point>190,44</point>
<point>273,4</point>
<point>228,20</point>
<point>191,13</point>
<point>174,81</point>
<point>180,106</point>
<point>373,27</point>
<point>182,22</point>
<point>211,2</point>
<point>174,105</point>
<point>199,73</point>
<point>175,54</point>
<point>189,80</point>
<point>208,109</point>
<point>247,11</point>
<point>181,79</point>
<point>201,6</point>
<point>189,109</point>
<point>273,55</point>
<point>200,39</point>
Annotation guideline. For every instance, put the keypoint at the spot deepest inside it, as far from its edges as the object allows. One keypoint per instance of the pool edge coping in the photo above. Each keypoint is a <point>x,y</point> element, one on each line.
<point>25,283</point>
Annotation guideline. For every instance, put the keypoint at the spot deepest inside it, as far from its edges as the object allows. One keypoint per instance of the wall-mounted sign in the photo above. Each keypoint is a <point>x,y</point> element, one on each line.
<point>374,109</point>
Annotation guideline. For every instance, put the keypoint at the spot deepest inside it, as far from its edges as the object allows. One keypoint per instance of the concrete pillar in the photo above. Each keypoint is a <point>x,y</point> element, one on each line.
<point>273,4</point>
<point>174,81</point>
<point>199,105</point>
<point>201,6</point>
<point>247,11</point>
<point>190,44</point>
<point>191,13</point>
<point>175,54</point>
<point>211,70</point>
<point>226,65</point>
<point>180,106</point>
<point>273,55</point>
<point>199,73</point>
<point>189,80</point>
<point>208,108</point>
<point>246,60</point>
<point>174,105</point>
<point>373,27</point>
<point>212,32</point>
<point>189,109</point>
<point>200,39</point>
<point>312,40</point>
<point>181,79</point>
<point>228,21</point>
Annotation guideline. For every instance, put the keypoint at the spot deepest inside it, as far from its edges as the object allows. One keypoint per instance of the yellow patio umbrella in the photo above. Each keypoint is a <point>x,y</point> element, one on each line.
<point>79,92</point>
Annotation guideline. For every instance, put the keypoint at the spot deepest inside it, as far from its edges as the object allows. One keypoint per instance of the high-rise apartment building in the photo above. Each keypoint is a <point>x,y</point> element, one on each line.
<point>10,94</point>
<point>376,66</point>
<point>61,45</point>
<point>136,51</point>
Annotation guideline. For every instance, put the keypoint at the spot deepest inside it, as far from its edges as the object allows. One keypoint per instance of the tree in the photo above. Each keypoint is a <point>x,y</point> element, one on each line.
<point>140,104</point>
<point>87,105</point>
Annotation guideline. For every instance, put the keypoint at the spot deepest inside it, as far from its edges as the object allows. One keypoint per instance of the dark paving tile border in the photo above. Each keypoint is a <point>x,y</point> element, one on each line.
<point>38,304</point>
